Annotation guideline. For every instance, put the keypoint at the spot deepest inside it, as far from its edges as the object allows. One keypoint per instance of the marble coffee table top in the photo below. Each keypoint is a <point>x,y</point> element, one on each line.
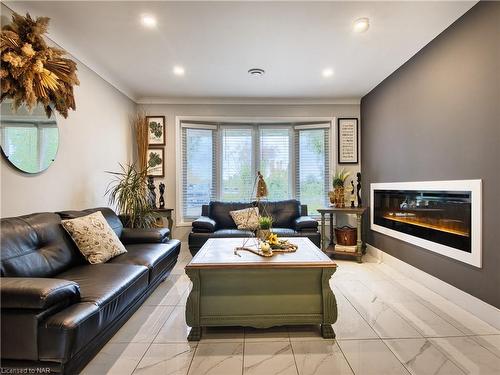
<point>219,253</point>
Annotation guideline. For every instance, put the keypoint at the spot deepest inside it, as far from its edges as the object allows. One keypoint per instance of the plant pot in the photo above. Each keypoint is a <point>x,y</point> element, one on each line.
<point>263,234</point>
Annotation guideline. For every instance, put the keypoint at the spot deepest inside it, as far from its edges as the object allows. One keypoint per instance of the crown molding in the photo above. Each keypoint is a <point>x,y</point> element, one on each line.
<point>248,101</point>
<point>105,77</point>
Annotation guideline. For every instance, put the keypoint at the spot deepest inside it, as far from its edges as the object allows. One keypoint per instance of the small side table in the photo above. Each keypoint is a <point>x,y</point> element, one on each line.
<point>166,213</point>
<point>332,212</point>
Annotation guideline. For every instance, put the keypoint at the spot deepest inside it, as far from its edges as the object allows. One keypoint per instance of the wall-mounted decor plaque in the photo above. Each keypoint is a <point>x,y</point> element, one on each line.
<point>347,140</point>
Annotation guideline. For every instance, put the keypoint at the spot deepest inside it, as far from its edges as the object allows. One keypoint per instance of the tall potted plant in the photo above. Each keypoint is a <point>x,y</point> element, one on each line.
<point>337,196</point>
<point>128,192</point>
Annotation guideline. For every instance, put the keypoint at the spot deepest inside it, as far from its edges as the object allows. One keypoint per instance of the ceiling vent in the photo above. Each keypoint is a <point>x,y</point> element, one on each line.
<point>256,72</point>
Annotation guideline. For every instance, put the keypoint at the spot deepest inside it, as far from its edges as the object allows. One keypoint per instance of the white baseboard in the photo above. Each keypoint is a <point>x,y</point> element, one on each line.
<point>475,306</point>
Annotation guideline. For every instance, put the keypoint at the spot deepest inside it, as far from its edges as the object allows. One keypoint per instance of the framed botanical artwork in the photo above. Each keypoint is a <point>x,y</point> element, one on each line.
<point>156,130</point>
<point>156,161</point>
<point>347,140</point>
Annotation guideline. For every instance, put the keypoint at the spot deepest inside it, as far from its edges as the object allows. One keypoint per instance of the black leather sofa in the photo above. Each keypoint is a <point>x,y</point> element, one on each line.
<point>289,220</point>
<point>57,310</point>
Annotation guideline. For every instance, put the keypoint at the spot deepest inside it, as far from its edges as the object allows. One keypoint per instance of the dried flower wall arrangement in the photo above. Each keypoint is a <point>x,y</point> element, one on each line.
<point>31,72</point>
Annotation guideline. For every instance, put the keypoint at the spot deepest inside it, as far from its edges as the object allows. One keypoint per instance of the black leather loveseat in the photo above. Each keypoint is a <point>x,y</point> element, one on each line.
<point>289,220</point>
<point>57,310</point>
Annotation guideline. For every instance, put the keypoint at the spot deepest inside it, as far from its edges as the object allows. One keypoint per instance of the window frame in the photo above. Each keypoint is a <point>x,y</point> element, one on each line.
<point>249,122</point>
<point>328,159</point>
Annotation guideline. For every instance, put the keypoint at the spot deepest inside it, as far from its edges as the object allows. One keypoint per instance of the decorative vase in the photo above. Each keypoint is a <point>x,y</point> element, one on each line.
<point>263,234</point>
<point>339,197</point>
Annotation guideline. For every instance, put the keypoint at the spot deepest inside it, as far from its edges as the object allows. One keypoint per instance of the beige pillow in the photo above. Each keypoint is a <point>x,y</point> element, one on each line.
<point>94,237</point>
<point>246,219</point>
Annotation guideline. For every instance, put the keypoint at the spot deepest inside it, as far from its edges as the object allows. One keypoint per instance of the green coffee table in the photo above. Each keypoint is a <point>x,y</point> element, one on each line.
<point>249,290</point>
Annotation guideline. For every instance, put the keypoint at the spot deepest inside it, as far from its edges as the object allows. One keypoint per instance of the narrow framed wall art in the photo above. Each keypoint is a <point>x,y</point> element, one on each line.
<point>156,130</point>
<point>156,162</point>
<point>347,141</point>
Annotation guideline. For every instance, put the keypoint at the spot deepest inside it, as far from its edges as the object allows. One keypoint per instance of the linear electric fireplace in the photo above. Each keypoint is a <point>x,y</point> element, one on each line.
<point>441,216</point>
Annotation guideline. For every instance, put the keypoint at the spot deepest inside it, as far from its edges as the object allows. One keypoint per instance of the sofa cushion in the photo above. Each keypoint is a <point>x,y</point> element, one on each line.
<point>246,219</point>
<point>285,232</point>
<point>110,216</point>
<point>94,237</point>
<point>283,213</point>
<point>36,245</point>
<point>158,258</point>
<point>220,212</point>
<point>105,284</point>
<point>231,233</point>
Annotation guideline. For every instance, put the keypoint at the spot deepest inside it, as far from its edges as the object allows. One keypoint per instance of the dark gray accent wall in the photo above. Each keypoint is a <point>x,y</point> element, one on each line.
<point>438,118</point>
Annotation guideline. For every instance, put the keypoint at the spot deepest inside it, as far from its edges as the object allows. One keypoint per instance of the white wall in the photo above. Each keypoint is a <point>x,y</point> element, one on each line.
<point>92,140</point>
<point>171,111</point>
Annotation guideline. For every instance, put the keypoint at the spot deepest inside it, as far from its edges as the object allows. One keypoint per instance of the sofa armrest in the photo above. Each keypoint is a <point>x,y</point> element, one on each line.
<point>306,223</point>
<point>144,235</point>
<point>36,293</point>
<point>204,225</point>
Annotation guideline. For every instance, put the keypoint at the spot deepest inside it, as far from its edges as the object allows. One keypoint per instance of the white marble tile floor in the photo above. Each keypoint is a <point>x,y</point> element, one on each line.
<point>387,324</point>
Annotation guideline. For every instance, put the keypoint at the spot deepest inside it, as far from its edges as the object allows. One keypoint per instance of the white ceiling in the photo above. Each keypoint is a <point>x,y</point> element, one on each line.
<point>217,42</point>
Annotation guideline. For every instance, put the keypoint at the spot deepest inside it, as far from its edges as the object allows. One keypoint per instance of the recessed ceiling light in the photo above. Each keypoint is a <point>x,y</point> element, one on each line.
<point>328,72</point>
<point>178,70</point>
<point>256,72</point>
<point>361,25</point>
<point>148,20</point>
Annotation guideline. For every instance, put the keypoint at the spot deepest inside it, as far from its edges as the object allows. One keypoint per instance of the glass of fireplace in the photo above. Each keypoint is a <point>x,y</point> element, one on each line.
<point>438,216</point>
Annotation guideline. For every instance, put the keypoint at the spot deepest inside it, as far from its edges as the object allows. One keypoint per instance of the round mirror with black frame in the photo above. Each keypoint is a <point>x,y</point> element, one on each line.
<point>29,140</point>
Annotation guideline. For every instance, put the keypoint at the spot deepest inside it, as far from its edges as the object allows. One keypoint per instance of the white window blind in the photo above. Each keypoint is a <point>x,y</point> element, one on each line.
<point>312,168</point>
<point>274,161</point>
<point>198,169</point>
<point>237,164</point>
<point>220,162</point>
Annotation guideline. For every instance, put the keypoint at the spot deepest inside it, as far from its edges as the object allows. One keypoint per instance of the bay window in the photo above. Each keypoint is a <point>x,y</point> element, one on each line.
<point>220,162</point>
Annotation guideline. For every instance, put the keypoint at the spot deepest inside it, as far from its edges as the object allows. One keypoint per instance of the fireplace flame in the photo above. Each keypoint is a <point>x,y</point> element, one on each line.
<point>445,225</point>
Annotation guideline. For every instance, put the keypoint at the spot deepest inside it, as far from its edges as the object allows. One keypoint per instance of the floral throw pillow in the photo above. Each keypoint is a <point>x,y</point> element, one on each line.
<point>94,237</point>
<point>246,219</point>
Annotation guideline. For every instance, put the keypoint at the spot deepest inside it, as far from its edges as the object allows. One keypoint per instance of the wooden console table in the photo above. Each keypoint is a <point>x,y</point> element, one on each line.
<point>332,212</point>
<point>166,213</point>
